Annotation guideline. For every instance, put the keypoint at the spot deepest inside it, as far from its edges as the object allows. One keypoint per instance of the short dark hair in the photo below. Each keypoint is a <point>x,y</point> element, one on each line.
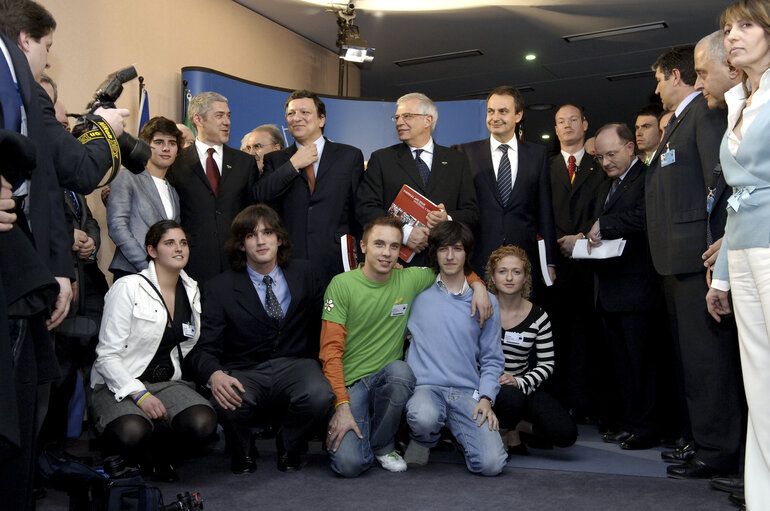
<point>156,232</point>
<point>508,90</point>
<point>679,58</point>
<point>44,78</point>
<point>621,129</point>
<point>652,109</point>
<point>162,125</point>
<point>446,234</point>
<point>573,105</point>
<point>387,221</point>
<point>244,223</point>
<point>303,93</point>
<point>497,256</point>
<point>17,16</point>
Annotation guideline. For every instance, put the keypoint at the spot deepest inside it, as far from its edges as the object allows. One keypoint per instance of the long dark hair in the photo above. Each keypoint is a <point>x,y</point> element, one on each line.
<point>244,223</point>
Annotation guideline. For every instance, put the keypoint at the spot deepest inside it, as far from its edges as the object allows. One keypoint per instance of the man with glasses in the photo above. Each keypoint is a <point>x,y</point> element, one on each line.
<point>439,173</point>
<point>312,184</point>
<point>260,141</point>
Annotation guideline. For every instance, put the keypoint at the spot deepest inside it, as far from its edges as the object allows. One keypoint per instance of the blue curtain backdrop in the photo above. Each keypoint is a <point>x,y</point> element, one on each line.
<point>361,123</point>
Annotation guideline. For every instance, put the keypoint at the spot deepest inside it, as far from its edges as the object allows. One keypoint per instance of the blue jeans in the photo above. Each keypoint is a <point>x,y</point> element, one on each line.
<point>376,402</point>
<point>431,407</point>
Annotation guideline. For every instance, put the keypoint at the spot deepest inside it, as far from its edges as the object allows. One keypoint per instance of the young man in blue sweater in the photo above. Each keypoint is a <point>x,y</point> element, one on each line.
<point>456,363</point>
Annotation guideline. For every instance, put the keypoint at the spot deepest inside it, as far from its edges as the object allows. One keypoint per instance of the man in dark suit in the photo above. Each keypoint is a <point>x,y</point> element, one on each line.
<point>259,341</point>
<point>312,184</point>
<point>437,172</point>
<point>575,181</point>
<point>675,197</point>
<point>627,287</point>
<point>515,204</point>
<point>214,183</point>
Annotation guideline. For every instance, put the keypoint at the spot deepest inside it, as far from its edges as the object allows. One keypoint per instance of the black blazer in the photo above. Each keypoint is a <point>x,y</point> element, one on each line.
<point>206,219</point>
<point>529,212</point>
<point>574,204</point>
<point>629,282</point>
<point>315,222</point>
<point>450,182</point>
<point>236,332</point>
<point>675,195</point>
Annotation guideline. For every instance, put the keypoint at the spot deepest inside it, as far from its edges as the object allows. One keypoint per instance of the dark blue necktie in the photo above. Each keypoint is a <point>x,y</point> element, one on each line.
<point>504,182</point>
<point>10,100</point>
<point>272,306</point>
<point>422,167</point>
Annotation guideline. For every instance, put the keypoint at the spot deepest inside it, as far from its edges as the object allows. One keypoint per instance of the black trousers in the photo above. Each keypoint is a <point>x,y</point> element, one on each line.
<point>550,420</point>
<point>292,387</point>
<point>711,372</point>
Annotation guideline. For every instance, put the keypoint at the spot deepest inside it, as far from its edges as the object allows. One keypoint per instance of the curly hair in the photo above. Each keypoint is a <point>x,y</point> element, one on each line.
<point>497,256</point>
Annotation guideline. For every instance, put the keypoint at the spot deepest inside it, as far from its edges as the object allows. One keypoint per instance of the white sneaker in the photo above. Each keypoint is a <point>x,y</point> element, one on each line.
<point>392,462</point>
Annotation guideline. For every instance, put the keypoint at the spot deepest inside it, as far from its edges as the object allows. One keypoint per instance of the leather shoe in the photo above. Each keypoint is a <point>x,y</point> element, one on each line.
<point>638,442</point>
<point>243,465</point>
<point>616,437</point>
<point>693,469</point>
<point>684,453</point>
<point>287,461</point>
<point>729,484</point>
<point>737,498</point>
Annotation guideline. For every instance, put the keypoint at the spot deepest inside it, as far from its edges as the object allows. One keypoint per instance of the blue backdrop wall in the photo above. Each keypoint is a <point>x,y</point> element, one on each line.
<point>365,124</point>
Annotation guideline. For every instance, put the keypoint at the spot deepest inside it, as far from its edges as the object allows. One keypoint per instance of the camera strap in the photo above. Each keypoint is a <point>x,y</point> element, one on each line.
<point>102,130</point>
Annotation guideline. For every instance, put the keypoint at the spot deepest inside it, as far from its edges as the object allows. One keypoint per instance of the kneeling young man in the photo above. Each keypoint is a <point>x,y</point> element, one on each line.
<point>259,340</point>
<point>362,346</point>
<point>456,364</point>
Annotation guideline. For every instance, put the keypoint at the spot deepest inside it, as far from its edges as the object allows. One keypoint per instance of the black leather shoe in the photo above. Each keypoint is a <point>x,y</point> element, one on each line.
<point>287,461</point>
<point>684,453</point>
<point>243,465</point>
<point>616,437</point>
<point>638,442</point>
<point>693,469</point>
<point>729,484</point>
<point>737,498</point>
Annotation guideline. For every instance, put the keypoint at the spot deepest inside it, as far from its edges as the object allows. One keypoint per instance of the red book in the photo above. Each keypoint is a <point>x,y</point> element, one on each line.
<point>348,250</point>
<point>411,208</point>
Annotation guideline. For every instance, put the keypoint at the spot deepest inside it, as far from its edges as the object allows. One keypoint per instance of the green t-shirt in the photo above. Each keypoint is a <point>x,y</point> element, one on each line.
<point>374,315</point>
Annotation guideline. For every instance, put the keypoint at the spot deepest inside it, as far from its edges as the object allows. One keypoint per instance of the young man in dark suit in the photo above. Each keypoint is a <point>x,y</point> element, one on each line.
<point>515,204</point>
<point>437,172</point>
<point>258,349</point>
<point>675,196</point>
<point>214,183</point>
<point>312,184</point>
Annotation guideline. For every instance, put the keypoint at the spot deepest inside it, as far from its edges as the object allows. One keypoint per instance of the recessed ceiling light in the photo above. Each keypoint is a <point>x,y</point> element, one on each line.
<point>530,56</point>
<point>615,31</point>
<point>545,136</point>
<point>541,107</point>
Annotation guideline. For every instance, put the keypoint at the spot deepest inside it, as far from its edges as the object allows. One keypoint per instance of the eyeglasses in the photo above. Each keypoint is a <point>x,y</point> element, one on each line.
<point>256,147</point>
<point>406,117</point>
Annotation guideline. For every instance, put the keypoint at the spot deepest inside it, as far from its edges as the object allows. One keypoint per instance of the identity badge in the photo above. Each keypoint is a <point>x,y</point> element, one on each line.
<point>668,157</point>
<point>513,339</point>
<point>398,310</point>
<point>188,330</point>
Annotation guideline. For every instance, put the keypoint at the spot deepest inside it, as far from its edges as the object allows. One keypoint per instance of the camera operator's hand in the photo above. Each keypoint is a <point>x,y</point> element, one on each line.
<point>62,303</point>
<point>114,117</point>
<point>153,408</point>
<point>6,204</point>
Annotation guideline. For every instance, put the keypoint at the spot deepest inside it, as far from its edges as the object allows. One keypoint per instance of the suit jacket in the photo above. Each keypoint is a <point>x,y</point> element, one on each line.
<point>52,235</point>
<point>315,222</point>
<point>629,282</point>
<point>675,194</point>
<point>450,182</point>
<point>529,212</point>
<point>574,203</point>
<point>133,208</point>
<point>236,332</point>
<point>206,219</point>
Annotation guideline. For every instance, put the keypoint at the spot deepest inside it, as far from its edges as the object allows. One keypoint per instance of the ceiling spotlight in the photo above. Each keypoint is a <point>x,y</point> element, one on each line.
<point>530,56</point>
<point>545,136</point>
<point>352,48</point>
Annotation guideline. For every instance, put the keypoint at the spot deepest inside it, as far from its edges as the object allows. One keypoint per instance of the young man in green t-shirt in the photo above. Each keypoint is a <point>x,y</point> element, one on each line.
<point>362,345</point>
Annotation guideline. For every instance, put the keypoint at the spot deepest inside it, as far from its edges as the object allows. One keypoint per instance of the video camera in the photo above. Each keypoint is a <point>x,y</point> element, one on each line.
<point>133,153</point>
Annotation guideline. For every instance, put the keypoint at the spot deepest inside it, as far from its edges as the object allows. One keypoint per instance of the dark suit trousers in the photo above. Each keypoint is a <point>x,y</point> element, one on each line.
<point>633,362</point>
<point>550,420</point>
<point>293,390</point>
<point>711,372</point>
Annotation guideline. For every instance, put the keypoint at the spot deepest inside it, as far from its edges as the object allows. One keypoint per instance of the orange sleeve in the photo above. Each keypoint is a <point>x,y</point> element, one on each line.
<point>332,347</point>
<point>474,278</point>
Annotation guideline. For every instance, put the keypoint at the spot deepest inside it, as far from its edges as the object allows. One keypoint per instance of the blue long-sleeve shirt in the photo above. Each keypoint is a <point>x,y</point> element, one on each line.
<point>448,347</point>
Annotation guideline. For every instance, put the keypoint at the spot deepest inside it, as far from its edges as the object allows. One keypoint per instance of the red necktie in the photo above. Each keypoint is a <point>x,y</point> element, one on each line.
<point>571,168</point>
<point>310,177</point>
<point>212,172</point>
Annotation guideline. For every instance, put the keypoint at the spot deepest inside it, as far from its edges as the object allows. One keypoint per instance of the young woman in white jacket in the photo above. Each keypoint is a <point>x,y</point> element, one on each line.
<point>151,321</point>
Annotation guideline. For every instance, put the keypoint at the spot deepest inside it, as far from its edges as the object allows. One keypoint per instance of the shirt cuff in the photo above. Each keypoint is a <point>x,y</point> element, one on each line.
<point>720,285</point>
<point>407,231</point>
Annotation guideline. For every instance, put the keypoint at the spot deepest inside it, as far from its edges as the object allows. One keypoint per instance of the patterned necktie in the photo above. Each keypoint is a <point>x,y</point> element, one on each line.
<point>670,123</point>
<point>504,182</point>
<point>571,168</point>
<point>615,183</point>
<point>272,307</point>
<point>422,167</point>
<point>212,172</point>
<point>310,173</point>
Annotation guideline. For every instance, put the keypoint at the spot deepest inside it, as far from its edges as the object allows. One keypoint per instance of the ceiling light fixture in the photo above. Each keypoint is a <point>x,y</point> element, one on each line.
<point>351,47</point>
<point>545,136</point>
<point>610,32</point>
<point>438,58</point>
<point>530,56</point>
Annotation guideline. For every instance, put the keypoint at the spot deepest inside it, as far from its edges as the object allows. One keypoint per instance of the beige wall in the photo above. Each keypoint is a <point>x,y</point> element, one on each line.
<point>94,38</point>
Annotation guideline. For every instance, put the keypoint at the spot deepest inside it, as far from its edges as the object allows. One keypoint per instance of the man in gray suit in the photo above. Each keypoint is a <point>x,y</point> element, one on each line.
<point>137,201</point>
<point>675,199</point>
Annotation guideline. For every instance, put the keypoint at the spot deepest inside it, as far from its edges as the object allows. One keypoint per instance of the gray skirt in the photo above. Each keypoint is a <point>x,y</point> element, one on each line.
<point>176,396</point>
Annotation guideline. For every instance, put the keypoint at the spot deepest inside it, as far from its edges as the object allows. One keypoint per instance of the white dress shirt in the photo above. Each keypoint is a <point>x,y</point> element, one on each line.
<point>203,154</point>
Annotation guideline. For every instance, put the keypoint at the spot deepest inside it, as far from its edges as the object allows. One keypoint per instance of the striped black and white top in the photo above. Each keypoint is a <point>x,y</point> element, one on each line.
<point>518,341</point>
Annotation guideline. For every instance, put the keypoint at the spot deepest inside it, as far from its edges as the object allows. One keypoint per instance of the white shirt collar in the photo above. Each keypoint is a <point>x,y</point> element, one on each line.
<point>494,143</point>
<point>428,148</point>
<point>686,101</point>
<point>203,149</point>
<point>578,156</point>
<point>466,288</point>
